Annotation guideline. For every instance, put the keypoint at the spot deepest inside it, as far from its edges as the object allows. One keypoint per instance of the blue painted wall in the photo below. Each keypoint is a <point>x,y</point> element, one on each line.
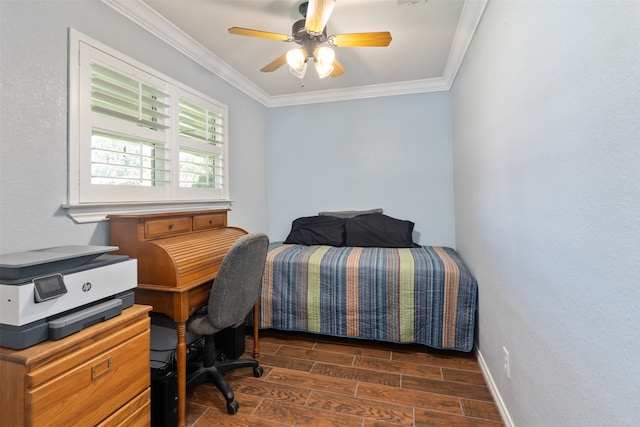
<point>546,132</point>
<point>391,152</point>
<point>33,120</point>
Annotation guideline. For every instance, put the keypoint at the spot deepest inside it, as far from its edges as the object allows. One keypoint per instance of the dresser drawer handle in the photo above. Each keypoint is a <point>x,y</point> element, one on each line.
<point>96,371</point>
<point>170,226</point>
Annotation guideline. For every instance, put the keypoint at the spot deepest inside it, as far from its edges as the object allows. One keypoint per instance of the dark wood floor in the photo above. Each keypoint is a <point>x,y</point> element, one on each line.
<point>312,380</point>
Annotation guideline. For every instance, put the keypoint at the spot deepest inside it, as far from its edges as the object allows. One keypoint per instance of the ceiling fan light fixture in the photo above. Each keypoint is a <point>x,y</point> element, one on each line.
<point>323,58</point>
<point>323,71</point>
<point>299,72</point>
<point>297,60</point>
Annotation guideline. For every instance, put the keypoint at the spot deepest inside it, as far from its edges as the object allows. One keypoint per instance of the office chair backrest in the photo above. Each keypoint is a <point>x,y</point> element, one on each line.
<point>238,282</point>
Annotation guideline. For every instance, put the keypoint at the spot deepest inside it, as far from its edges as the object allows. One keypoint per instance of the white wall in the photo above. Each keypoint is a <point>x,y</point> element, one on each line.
<point>546,119</point>
<point>391,152</point>
<point>33,120</point>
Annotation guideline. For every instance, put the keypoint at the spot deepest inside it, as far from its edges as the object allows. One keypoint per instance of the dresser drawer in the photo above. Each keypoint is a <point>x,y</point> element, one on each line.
<point>167,227</point>
<point>207,221</point>
<point>136,413</point>
<point>93,389</point>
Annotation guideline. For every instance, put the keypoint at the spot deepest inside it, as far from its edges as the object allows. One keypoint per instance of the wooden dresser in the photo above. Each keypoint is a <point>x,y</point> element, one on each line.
<point>98,376</point>
<point>179,255</point>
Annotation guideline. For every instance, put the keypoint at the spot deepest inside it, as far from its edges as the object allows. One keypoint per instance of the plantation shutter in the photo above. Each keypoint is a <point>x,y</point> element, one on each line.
<point>122,98</point>
<point>202,135</point>
<point>128,137</point>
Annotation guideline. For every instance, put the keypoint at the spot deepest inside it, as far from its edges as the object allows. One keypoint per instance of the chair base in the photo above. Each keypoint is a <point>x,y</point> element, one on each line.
<point>200,374</point>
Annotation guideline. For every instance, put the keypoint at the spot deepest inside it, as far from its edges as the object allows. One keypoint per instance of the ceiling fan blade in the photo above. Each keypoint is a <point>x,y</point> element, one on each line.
<point>318,13</point>
<point>381,39</point>
<point>257,33</point>
<point>275,64</point>
<point>338,69</point>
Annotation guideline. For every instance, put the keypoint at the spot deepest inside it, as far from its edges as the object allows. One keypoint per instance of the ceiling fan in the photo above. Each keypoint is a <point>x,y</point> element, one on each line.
<point>311,34</point>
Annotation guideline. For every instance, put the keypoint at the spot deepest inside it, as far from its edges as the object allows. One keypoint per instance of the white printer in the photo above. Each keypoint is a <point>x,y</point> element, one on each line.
<point>54,292</point>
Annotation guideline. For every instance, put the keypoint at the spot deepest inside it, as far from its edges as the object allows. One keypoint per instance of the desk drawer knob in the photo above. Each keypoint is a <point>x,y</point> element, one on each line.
<point>101,368</point>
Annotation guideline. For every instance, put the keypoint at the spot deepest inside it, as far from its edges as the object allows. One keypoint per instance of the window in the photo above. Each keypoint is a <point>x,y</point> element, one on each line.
<point>137,136</point>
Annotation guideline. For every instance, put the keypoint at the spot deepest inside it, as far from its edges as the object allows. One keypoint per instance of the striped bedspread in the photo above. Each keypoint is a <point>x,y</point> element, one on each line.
<point>415,295</point>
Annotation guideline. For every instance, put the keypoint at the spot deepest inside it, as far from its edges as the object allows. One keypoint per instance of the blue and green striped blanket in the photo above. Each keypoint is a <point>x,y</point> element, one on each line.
<point>407,295</point>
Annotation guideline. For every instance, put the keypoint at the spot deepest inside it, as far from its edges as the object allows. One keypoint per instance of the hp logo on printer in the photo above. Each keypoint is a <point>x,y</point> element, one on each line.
<point>86,287</point>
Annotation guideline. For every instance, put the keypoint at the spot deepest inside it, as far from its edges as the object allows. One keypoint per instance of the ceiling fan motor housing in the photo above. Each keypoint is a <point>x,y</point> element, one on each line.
<point>299,32</point>
<point>306,40</point>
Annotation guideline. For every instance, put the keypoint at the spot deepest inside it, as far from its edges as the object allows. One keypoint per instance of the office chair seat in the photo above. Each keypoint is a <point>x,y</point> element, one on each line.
<point>233,295</point>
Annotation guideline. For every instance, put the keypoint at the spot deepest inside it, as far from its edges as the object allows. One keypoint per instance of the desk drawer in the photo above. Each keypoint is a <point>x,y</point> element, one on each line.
<point>94,389</point>
<point>208,221</point>
<point>167,227</point>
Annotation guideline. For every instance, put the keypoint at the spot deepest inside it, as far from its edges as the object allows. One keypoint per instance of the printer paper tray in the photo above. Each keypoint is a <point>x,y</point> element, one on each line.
<point>75,322</point>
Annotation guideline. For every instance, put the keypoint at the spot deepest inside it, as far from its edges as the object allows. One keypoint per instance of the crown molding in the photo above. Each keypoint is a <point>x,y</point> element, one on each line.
<point>472,11</point>
<point>141,14</point>
<point>359,92</point>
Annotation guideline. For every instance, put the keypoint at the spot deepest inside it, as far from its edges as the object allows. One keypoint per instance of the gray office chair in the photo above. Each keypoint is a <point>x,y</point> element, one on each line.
<point>232,297</point>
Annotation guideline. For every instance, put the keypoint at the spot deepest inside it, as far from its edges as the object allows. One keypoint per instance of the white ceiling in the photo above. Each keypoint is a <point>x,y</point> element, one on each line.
<point>429,39</point>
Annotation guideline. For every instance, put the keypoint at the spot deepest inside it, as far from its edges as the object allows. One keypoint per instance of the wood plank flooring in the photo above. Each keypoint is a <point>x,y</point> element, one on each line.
<point>314,380</point>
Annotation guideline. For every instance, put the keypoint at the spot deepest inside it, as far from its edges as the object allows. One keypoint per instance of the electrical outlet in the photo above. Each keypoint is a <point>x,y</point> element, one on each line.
<point>507,362</point>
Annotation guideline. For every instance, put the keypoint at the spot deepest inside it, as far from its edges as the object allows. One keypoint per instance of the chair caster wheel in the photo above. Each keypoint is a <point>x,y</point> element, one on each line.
<point>232,407</point>
<point>257,372</point>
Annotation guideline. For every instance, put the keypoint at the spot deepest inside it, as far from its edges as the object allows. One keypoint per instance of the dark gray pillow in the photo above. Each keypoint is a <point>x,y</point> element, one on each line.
<point>317,230</point>
<point>379,231</point>
<point>350,214</point>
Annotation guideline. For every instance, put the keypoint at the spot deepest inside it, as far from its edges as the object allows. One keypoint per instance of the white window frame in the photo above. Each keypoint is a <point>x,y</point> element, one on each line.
<point>91,202</point>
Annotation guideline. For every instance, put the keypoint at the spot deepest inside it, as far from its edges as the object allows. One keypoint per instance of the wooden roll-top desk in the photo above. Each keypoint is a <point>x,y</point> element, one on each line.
<point>179,254</point>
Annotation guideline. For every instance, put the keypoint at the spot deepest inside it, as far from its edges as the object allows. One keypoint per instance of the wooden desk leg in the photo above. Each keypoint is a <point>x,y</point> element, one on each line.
<point>181,358</point>
<point>256,319</point>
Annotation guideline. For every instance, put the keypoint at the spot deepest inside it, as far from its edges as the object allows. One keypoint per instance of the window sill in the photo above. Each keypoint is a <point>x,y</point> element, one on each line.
<point>87,213</point>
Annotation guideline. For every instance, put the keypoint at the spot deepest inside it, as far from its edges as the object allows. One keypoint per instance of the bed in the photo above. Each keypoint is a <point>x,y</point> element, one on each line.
<point>379,290</point>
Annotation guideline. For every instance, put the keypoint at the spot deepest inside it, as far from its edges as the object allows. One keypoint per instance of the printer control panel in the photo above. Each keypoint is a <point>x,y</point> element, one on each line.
<point>48,287</point>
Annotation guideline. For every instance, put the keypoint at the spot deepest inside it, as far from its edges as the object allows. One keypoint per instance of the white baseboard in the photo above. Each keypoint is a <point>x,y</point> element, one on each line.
<point>504,413</point>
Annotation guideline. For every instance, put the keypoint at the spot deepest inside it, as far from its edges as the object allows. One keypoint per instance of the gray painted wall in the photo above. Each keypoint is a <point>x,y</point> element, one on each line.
<point>546,132</point>
<point>33,120</point>
<point>391,152</point>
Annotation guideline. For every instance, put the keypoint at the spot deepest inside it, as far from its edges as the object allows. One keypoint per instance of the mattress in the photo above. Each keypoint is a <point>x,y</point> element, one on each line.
<point>422,295</point>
